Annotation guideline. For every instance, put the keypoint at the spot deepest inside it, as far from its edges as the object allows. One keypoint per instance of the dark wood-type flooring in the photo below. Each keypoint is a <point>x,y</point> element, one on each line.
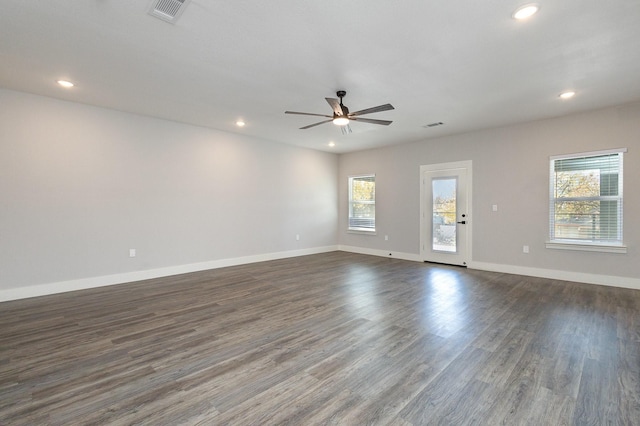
<point>335,338</point>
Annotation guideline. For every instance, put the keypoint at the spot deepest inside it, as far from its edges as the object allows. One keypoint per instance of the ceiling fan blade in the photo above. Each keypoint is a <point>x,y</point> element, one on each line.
<point>346,129</point>
<point>371,121</point>
<point>308,113</point>
<point>316,124</point>
<point>379,108</point>
<point>335,105</point>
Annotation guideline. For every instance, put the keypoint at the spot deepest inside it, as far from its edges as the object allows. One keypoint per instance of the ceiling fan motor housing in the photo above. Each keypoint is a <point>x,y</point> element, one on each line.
<point>345,110</point>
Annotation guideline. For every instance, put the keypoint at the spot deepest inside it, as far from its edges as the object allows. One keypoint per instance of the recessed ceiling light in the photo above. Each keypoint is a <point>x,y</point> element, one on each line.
<point>523,12</point>
<point>332,144</point>
<point>567,95</point>
<point>65,83</point>
<point>240,123</point>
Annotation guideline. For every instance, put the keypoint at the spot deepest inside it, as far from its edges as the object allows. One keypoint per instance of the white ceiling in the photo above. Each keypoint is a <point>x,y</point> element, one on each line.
<point>465,63</point>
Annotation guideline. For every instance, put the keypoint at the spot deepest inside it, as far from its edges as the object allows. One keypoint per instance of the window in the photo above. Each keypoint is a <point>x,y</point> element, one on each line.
<point>362,203</point>
<point>585,208</point>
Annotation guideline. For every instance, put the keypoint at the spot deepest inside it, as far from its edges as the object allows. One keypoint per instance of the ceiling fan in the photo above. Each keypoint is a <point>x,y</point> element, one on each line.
<point>341,115</point>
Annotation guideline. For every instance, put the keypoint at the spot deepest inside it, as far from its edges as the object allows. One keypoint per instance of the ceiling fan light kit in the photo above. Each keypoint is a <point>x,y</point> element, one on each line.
<point>342,117</point>
<point>341,121</point>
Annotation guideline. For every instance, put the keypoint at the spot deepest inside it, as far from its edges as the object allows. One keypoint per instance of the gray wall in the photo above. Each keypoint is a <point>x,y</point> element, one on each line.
<point>510,169</point>
<point>81,185</point>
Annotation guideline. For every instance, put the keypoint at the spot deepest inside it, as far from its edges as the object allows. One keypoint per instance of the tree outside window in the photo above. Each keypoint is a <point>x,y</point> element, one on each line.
<point>362,203</point>
<point>586,203</point>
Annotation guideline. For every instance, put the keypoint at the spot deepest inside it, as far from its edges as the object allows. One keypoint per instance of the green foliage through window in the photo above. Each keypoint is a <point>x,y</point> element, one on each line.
<point>586,198</point>
<point>362,203</point>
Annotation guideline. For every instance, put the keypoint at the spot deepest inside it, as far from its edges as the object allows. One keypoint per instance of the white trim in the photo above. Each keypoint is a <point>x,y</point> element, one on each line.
<point>554,274</point>
<point>350,202</point>
<point>362,175</point>
<point>581,277</point>
<point>381,253</point>
<point>563,243</point>
<point>588,154</point>
<point>586,247</point>
<point>362,231</point>
<point>127,277</point>
<point>445,166</point>
<point>106,280</point>
<point>468,166</point>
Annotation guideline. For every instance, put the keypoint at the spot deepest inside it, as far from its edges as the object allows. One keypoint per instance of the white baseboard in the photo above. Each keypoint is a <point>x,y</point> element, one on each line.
<point>105,280</point>
<point>382,253</point>
<point>608,280</point>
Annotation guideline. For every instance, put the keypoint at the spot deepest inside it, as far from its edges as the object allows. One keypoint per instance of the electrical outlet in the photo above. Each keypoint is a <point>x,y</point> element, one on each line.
<point>525,249</point>
<point>494,207</point>
<point>132,252</point>
<point>386,238</point>
<point>297,237</point>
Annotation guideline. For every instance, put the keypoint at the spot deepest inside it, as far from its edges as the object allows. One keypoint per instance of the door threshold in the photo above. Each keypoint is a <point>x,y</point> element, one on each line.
<point>443,263</point>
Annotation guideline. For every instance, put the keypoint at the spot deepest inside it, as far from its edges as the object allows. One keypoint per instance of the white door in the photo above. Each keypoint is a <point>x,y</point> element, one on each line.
<point>446,216</point>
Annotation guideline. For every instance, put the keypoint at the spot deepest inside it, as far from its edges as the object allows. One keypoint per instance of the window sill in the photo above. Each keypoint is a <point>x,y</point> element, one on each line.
<point>586,247</point>
<point>361,231</point>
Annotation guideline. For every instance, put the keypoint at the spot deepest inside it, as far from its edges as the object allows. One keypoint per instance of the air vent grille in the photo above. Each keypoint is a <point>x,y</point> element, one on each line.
<point>168,10</point>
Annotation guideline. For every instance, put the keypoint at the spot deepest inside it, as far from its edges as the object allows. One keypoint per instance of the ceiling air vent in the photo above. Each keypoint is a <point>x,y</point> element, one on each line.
<point>436,124</point>
<point>168,10</point>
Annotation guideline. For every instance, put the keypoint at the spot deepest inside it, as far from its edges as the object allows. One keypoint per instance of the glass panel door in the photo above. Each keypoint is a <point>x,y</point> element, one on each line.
<point>444,191</point>
<point>444,225</point>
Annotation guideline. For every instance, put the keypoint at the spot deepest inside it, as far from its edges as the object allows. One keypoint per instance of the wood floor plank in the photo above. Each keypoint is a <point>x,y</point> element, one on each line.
<point>442,394</point>
<point>598,396</point>
<point>500,363</point>
<point>512,403</point>
<point>333,338</point>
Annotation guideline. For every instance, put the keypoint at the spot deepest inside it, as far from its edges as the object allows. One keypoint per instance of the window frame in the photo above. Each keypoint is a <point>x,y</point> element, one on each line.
<point>598,245</point>
<point>351,202</point>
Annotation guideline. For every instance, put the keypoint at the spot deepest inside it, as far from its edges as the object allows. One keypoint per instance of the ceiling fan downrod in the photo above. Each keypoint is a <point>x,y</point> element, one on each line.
<point>345,111</point>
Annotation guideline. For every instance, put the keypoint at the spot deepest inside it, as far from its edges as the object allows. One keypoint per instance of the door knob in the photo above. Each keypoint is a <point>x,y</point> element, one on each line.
<point>462,222</point>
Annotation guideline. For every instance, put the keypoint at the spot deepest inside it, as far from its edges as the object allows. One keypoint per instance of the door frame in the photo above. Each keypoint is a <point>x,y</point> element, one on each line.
<point>425,219</point>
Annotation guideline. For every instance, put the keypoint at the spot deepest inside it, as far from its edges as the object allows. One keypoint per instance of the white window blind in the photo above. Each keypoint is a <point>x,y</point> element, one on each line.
<point>585,204</point>
<point>362,203</point>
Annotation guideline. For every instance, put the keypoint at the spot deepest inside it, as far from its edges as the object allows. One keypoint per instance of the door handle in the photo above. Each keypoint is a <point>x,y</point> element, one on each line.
<point>462,222</point>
